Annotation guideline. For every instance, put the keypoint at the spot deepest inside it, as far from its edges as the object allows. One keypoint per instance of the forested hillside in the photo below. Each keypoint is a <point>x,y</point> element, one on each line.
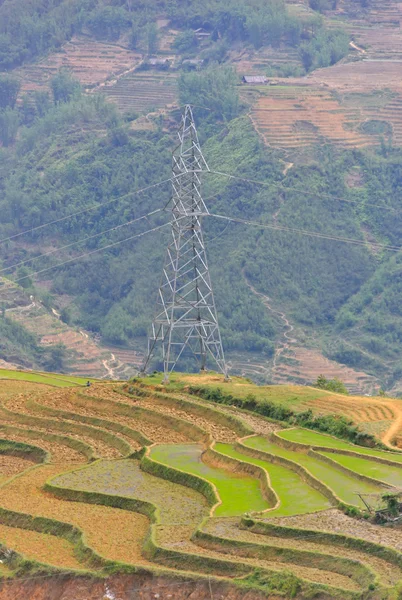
<point>67,148</point>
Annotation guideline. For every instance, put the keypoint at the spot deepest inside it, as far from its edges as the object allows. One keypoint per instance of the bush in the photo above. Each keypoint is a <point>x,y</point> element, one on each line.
<point>332,385</point>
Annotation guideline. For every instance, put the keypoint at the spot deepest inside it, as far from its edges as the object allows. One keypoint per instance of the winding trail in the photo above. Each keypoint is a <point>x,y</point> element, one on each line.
<point>110,370</point>
<point>393,430</point>
<point>288,327</point>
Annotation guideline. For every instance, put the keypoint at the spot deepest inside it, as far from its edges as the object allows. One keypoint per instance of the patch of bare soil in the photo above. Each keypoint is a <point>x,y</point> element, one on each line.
<point>10,388</point>
<point>335,521</point>
<point>69,405</point>
<point>311,364</point>
<point>123,587</point>
<point>58,452</point>
<point>11,465</point>
<point>18,406</point>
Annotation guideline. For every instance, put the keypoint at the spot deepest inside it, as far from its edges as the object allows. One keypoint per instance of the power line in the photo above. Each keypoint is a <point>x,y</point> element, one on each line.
<point>305,192</point>
<point>305,232</point>
<point>84,210</point>
<point>90,237</point>
<point>70,260</point>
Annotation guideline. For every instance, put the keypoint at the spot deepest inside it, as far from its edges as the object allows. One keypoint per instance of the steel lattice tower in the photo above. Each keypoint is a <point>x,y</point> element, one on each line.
<point>186,319</point>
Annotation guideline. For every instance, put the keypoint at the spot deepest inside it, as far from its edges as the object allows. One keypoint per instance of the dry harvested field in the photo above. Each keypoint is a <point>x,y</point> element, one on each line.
<point>143,91</point>
<point>309,364</point>
<point>298,112</point>
<point>175,475</point>
<point>294,116</point>
<point>90,61</point>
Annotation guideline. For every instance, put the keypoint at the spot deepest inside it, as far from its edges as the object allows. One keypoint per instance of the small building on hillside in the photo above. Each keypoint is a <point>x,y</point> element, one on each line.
<point>202,34</point>
<point>158,63</point>
<point>255,79</point>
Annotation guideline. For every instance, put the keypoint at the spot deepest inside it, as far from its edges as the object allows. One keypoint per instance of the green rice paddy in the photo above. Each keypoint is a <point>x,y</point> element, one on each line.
<point>238,493</point>
<point>284,482</point>
<point>313,438</point>
<point>370,468</point>
<point>343,485</point>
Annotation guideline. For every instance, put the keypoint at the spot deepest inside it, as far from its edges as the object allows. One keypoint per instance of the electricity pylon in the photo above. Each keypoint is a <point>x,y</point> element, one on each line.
<point>186,319</point>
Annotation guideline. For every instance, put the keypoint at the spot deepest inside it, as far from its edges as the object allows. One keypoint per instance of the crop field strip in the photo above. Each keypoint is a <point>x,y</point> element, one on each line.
<point>79,413</point>
<point>229,528</point>
<point>343,485</point>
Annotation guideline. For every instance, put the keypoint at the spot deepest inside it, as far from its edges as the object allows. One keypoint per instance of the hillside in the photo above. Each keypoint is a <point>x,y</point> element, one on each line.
<point>322,138</point>
<point>164,490</point>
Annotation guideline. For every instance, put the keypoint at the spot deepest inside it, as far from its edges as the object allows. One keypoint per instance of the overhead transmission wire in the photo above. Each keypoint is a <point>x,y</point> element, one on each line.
<point>90,237</point>
<point>230,176</point>
<point>218,216</point>
<point>285,188</point>
<point>85,210</point>
<point>308,233</point>
<point>82,240</point>
<point>70,260</point>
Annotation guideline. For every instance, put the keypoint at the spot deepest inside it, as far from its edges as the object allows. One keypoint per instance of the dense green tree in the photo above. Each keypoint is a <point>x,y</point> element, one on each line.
<point>64,86</point>
<point>213,89</point>
<point>186,41</point>
<point>42,102</point>
<point>9,122</point>
<point>108,22</point>
<point>152,37</point>
<point>9,88</point>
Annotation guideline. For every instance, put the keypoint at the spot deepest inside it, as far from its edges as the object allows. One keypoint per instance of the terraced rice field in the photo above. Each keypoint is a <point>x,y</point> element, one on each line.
<point>344,486</point>
<point>292,117</point>
<point>143,91</point>
<point>91,61</point>
<point>179,484</point>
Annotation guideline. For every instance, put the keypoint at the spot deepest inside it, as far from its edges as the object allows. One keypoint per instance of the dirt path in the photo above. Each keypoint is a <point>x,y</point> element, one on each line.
<point>288,328</point>
<point>110,370</point>
<point>395,427</point>
<point>358,48</point>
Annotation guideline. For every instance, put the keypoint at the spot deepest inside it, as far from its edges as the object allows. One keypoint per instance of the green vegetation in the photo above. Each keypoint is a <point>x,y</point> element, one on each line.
<point>370,468</point>
<point>238,493</point>
<point>53,379</point>
<point>30,31</point>
<point>332,385</point>
<point>214,88</point>
<point>284,482</point>
<point>324,49</point>
<point>313,438</point>
<point>343,485</point>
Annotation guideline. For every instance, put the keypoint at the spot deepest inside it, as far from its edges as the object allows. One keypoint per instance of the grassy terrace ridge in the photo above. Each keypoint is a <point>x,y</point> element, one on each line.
<point>292,396</point>
<point>315,439</point>
<point>352,418</point>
